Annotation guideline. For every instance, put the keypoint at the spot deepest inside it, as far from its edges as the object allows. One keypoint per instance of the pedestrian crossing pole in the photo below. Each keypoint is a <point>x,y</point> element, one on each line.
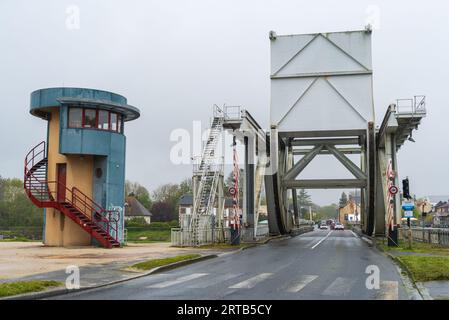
<point>235,217</point>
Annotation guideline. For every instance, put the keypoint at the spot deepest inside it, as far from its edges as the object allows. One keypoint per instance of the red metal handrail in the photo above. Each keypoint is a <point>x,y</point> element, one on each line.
<point>78,199</point>
<point>97,211</point>
<point>33,157</point>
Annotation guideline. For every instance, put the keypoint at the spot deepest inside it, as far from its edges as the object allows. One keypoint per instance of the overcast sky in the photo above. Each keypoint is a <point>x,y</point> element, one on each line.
<point>175,59</point>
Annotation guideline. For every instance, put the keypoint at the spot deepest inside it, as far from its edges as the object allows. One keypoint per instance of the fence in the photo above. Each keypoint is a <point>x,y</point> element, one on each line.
<point>184,237</point>
<point>428,235</point>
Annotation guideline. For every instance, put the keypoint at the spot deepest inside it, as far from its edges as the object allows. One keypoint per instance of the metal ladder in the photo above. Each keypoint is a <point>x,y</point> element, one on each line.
<point>208,182</point>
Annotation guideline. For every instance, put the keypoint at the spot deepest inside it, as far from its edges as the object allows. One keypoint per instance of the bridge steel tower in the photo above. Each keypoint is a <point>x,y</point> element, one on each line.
<point>321,100</point>
<point>322,103</point>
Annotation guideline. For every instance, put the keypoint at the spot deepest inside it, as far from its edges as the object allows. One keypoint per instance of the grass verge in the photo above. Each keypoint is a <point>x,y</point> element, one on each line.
<point>417,247</point>
<point>426,268</point>
<point>153,263</point>
<point>19,287</point>
<point>148,236</point>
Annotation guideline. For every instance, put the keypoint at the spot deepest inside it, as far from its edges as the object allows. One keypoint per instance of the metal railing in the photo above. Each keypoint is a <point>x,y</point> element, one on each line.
<point>232,113</point>
<point>428,235</point>
<point>228,113</point>
<point>415,105</point>
<point>54,194</point>
<point>184,237</point>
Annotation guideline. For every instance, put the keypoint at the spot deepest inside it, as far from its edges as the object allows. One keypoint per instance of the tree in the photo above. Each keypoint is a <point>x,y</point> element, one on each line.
<point>16,210</point>
<point>304,199</point>
<point>166,198</point>
<point>163,211</point>
<point>343,200</point>
<point>139,192</point>
<point>327,212</point>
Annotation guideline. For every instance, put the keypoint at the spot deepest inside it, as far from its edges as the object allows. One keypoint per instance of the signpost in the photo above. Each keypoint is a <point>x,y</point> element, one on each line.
<point>408,207</point>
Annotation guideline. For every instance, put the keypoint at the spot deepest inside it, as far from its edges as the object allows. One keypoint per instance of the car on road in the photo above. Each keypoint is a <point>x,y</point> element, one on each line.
<point>323,226</point>
<point>339,226</point>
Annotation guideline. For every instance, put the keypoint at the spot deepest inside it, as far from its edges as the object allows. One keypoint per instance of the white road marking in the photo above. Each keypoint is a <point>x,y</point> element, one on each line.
<point>353,233</point>
<point>319,242</point>
<point>389,290</point>
<point>214,280</point>
<point>178,280</point>
<point>251,282</point>
<point>301,283</point>
<point>340,287</point>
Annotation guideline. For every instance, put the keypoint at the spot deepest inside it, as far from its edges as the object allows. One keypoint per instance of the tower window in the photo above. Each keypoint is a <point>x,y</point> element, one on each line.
<point>103,120</point>
<point>95,119</point>
<point>119,123</point>
<point>90,118</point>
<point>75,117</point>
<point>113,121</point>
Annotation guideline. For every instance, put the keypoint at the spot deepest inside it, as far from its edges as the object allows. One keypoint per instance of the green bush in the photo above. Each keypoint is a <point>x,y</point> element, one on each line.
<point>174,223</point>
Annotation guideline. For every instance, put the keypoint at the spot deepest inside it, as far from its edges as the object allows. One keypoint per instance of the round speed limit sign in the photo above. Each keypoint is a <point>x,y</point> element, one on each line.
<point>393,190</point>
<point>232,191</point>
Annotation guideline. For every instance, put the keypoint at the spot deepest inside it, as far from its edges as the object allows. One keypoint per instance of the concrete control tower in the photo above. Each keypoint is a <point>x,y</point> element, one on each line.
<point>78,173</point>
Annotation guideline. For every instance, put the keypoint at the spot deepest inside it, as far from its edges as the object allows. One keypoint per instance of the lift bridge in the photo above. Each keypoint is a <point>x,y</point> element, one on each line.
<point>321,104</point>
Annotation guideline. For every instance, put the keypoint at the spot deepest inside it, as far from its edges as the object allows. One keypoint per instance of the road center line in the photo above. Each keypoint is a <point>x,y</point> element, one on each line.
<point>319,242</point>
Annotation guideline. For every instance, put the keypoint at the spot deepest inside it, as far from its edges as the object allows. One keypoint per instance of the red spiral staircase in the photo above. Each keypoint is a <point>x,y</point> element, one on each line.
<point>73,203</point>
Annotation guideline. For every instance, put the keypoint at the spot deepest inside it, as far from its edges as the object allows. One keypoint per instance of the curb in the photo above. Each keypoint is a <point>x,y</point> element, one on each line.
<point>370,240</point>
<point>57,292</point>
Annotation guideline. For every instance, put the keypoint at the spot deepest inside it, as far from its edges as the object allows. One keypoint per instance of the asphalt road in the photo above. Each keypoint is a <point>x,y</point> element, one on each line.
<point>317,265</point>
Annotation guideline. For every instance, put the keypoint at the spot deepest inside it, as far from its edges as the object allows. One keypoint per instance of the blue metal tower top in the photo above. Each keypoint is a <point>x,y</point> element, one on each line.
<point>43,99</point>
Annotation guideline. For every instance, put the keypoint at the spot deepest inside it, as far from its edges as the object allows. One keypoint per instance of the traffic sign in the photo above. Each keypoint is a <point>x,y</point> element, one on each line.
<point>408,214</point>
<point>232,191</point>
<point>393,190</point>
<point>408,206</point>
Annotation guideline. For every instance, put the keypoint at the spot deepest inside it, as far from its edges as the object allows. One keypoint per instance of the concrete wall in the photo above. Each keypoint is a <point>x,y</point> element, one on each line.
<point>60,230</point>
<point>108,149</point>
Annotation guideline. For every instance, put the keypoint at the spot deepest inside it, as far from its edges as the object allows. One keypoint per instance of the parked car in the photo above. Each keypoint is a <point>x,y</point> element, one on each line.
<point>339,226</point>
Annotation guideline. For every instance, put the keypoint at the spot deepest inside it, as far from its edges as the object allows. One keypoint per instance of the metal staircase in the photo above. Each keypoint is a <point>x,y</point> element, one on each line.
<point>209,172</point>
<point>101,224</point>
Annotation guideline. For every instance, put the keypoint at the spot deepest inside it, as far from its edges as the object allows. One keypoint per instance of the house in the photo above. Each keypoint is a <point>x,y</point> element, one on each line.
<point>355,196</point>
<point>441,211</point>
<point>424,206</point>
<point>434,200</point>
<point>350,213</point>
<point>134,209</point>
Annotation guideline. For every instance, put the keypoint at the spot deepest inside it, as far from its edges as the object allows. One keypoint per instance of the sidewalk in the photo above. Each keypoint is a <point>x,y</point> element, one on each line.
<point>33,261</point>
